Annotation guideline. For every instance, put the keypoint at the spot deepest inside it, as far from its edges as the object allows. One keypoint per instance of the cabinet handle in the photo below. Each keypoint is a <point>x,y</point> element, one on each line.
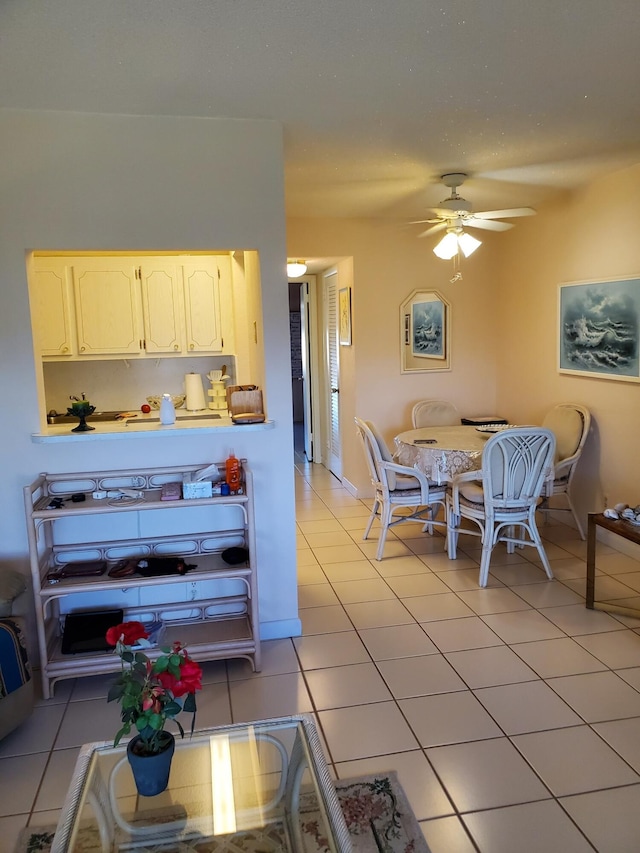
<point>65,349</point>
<point>82,349</point>
<point>176,347</point>
<point>192,346</point>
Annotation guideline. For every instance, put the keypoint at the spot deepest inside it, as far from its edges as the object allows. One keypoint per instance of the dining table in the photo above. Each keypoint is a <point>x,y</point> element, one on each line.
<point>441,452</point>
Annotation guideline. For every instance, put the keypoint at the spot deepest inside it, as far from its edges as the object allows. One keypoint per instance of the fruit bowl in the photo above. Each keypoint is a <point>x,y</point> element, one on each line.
<point>177,399</point>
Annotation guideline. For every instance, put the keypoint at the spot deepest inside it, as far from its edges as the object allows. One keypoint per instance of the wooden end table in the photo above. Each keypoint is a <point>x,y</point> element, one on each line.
<point>625,531</point>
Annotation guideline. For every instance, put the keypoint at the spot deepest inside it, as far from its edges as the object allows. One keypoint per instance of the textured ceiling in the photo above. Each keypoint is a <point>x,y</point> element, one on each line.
<point>377,98</point>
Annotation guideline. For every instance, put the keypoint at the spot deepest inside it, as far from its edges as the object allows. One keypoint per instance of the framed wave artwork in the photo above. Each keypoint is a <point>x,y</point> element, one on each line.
<point>599,329</point>
<point>425,318</point>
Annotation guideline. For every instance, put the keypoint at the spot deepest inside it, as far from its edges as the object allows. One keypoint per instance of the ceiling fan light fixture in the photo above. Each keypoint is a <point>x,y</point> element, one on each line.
<point>455,241</point>
<point>468,244</point>
<point>447,247</point>
<point>296,268</point>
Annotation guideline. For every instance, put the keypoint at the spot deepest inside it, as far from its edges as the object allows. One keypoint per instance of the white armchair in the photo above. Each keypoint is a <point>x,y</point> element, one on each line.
<point>397,487</point>
<point>570,423</point>
<point>428,413</point>
<point>501,498</point>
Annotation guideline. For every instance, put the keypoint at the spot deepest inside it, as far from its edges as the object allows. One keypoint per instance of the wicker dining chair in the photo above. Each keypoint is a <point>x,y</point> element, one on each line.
<point>501,498</point>
<point>397,487</point>
<point>570,423</point>
<point>428,413</point>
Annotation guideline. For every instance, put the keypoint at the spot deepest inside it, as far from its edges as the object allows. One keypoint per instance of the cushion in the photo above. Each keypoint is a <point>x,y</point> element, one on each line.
<point>404,483</point>
<point>566,424</point>
<point>472,492</point>
<point>12,584</point>
<point>14,663</point>
<point>384,453</point>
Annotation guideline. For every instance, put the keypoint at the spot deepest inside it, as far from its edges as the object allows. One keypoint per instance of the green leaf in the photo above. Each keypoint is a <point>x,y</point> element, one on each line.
<point>190,703</point>
<point>172,708</point>
<point>161,664</point>
<point>123,731</point>
<point>156,721</point>
<point>116,691</point>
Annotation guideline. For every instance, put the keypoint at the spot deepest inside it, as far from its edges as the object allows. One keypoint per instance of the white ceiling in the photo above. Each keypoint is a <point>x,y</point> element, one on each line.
<point>377,98</point>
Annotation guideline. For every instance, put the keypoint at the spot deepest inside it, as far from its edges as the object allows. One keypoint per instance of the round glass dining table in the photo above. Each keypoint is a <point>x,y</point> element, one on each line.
<point>441,452</point>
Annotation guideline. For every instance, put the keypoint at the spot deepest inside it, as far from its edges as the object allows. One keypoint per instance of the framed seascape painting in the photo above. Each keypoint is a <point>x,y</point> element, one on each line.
<point>599,329</point>
<point>424,332</point>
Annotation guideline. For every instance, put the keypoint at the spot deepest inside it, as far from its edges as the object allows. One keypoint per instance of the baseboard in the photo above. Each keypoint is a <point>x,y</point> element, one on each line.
<point>350,487</point>
<point>280,629</point>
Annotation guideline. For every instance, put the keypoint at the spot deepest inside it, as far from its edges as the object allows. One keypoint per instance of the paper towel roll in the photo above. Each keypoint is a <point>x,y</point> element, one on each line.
<point>194,391</point>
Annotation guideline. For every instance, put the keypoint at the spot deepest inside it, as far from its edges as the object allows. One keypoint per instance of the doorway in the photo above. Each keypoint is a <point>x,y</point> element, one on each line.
<point>333,440</point>
<point>304,377</point>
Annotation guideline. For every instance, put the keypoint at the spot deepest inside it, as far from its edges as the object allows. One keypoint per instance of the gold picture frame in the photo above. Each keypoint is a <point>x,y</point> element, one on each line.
<point>344,316</point>
<point>425,332</point>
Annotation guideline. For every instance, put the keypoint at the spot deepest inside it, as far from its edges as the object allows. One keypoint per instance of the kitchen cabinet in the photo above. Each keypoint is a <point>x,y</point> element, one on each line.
<point>107,306</point>
<point>202,306</point>
<point>132,306</point>
<point>161,306</point>
<point>52,308</point>
<point>213,609</point>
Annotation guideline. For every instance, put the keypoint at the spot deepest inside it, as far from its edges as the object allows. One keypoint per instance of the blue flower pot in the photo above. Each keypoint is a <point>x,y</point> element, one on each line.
<point>151,772</point>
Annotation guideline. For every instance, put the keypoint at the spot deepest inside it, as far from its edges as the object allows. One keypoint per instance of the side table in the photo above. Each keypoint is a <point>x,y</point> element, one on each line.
<point>625,531</point>
<point>243,786</point>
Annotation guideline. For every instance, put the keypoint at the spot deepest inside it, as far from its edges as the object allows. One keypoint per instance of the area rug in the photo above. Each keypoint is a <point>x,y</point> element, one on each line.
<point>376,810</point>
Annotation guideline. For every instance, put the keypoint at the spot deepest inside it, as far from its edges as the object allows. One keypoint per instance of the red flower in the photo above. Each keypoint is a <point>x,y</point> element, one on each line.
<point>189,681</point>
<point>127,632</point>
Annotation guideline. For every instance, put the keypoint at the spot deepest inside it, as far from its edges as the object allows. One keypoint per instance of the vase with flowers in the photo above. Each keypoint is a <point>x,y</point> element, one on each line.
<point>150,693</point>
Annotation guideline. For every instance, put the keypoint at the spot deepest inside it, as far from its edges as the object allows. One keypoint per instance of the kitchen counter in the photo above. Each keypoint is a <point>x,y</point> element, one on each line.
<point>147,427</point>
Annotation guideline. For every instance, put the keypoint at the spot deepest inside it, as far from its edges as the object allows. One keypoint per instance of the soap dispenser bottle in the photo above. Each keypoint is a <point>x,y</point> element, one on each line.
<point>167,410</point>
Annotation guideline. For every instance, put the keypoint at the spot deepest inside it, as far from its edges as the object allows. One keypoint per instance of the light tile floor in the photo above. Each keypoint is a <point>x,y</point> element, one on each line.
<point>512,714</point>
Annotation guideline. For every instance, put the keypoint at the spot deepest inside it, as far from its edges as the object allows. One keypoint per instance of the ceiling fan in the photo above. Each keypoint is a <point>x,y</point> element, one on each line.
<point>455,213</point>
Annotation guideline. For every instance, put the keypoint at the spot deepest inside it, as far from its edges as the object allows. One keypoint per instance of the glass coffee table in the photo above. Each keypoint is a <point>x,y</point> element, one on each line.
<point>260,787</point>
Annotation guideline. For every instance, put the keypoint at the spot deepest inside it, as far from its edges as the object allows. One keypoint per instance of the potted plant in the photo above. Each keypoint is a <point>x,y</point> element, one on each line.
<point>149,692</point>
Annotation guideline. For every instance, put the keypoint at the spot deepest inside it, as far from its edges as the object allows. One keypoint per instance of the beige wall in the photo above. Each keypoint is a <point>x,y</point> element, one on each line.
<point>593,235</point>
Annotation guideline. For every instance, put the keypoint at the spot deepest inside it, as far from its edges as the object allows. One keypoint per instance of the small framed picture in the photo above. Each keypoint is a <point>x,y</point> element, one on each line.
<point>344,316</point>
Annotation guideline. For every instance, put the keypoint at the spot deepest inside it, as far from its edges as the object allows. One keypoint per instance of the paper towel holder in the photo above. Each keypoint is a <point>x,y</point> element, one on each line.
<point>194,390</point>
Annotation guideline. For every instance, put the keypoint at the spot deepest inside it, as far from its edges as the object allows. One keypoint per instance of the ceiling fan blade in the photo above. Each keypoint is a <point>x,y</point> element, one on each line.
<point>422,221</point>
<point>433,229</point>
<point>487,224</point>
<point>507,213</point>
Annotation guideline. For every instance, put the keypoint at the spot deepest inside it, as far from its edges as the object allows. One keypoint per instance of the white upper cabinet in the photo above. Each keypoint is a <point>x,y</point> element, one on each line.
<point>107,303</point>
<point>132,306</point>
<point>202,306</point>
<point>52,308</point>
<point>162,306</point>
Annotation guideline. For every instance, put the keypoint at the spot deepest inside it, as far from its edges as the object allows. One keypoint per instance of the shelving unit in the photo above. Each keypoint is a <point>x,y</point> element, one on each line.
<point>213,609</point>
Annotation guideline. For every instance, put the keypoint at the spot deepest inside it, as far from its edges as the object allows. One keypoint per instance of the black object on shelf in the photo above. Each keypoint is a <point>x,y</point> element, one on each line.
<point>235,556</point>
<point>85,631</point>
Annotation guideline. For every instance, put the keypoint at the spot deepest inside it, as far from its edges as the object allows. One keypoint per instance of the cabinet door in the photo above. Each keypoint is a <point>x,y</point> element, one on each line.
<point>202,305</point>
<point>108,310</point>
<point>162,306</point>
<point>51,308</point>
